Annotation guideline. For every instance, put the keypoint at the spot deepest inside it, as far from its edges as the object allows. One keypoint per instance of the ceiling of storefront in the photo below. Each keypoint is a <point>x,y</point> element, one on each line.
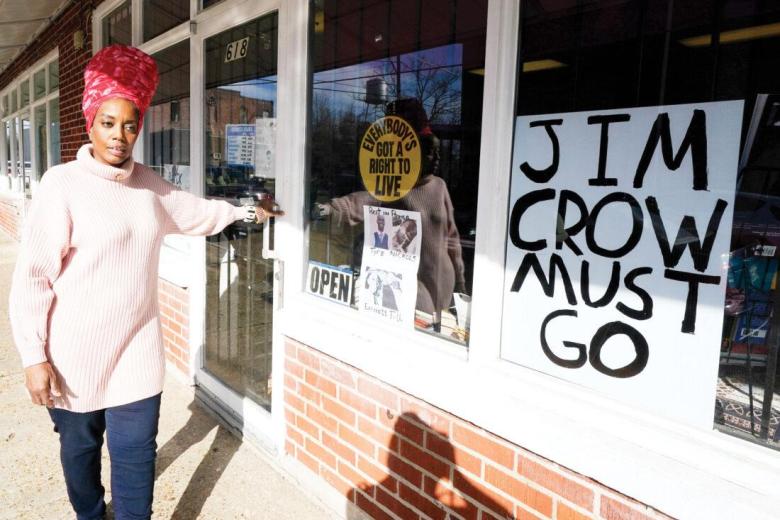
<point>20,22</point>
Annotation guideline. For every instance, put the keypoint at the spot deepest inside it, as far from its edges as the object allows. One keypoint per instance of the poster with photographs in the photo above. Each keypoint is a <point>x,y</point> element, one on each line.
<point>388,279</point>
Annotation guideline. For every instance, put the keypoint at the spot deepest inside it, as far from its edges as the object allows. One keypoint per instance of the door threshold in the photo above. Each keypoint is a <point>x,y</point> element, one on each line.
<point>233,421</point>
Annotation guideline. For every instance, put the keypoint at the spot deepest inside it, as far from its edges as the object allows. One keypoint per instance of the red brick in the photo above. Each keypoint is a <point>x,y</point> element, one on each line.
<point>327,422</point>
<point>452,501</point>
<point>348,472</point>
<point>308,460</point>
<point>379,393</point>
<point>290,350</point>
<point>382,436</point>
<point>565,512</point>
<point>373,510</point>
<point>307,427</point>
<point>309,393</point>
<point>427,415</point>
<point>356,402</point>
<point>421,503</point>
<point>336,373</point>
<point>356,440</point>
<point>395,505</point>
<point>294,435</point>
<point>338,410</point>
<point>290,383</point>
<point>289,448</point>
<point>613,510</point>
<point>425,460</point>
<point>320,383</point>
<point>523,514</point>
<point>339,448</point>
<point>483,496</point>
<point>293,400</point>
<point>336,481</point>
<point>318,452</point>
<point>401,468</point>
<point>404,427</point>
<point>518,490</point>
<point>471,439</point>
<point>293,368</point>
<point>556,482</point>
<point>308,359</point>
<point>378,474</point>
<point>444,449</point>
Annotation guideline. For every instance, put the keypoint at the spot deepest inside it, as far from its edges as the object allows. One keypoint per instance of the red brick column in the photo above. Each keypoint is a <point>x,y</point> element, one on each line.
<point>11,211</point>
<point>174,319</point>
<point>397,457</point>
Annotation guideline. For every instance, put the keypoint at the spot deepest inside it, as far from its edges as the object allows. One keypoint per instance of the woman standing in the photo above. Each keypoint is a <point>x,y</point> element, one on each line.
<point>83,300</point>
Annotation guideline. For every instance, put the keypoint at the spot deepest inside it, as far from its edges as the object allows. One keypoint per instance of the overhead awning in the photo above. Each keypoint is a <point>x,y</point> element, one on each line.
<point>20,22</point>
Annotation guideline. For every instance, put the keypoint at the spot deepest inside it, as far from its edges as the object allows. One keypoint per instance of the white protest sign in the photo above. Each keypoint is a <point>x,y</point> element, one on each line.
<point>614,277</point>
<point>388,275</point>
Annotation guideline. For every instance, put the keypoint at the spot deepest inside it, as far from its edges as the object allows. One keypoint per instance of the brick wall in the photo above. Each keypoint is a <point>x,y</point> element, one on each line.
<point>174,312</point>
<point>59,35</point>
<point>11,211</point>
<point>396,457</point>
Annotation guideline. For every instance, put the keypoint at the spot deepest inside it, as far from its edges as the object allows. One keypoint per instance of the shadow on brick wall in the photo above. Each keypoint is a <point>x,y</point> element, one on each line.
<point>423,480</point>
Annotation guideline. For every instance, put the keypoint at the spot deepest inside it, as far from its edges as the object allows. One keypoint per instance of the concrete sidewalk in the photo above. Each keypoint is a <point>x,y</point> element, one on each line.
<point>202,470</point>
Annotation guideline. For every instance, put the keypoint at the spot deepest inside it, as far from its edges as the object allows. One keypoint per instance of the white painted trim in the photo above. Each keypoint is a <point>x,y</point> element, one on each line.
<point>170,37</point>
<point>136,15</point>
<point>495,165</point>
<point>98,14</point>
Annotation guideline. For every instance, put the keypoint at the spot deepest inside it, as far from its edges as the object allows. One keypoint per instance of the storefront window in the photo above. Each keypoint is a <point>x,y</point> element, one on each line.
<point>40,133</point>
<point>161,15</point>
<point>39,84</point>
<point>396,108</point>
<point>54,76</point>
<point>14,106</point>
<point>653,122</point>
<point>117,26</point>
<point>54,130</point>
<point>167,122</point>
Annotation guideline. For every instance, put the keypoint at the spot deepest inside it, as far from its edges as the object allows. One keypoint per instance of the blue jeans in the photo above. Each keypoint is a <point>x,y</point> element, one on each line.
<point>132,447</point>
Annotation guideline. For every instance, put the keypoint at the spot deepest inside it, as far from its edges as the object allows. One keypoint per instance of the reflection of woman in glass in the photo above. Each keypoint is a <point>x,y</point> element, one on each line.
<point>441,268</point>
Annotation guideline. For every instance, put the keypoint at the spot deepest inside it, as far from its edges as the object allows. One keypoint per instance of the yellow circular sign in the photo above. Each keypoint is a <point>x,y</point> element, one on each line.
<point>389,158</point>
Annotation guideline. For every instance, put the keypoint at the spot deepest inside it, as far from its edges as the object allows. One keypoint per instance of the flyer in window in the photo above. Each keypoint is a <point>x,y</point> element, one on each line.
<point>391,257</point>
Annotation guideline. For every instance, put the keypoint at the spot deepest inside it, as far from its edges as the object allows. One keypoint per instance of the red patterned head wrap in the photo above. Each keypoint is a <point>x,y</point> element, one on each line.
<point>119,71</point>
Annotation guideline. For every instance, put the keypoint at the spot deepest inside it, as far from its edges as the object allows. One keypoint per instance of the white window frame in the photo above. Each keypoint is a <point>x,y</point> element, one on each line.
<point>678,469</point>
<point>29,111</point>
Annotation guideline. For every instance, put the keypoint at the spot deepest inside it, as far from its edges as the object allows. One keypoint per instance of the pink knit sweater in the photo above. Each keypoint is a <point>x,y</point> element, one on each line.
<point>84,291</point>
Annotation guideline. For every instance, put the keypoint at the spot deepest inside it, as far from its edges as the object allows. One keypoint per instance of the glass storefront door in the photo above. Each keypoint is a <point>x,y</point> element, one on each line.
<point>239,120</point>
